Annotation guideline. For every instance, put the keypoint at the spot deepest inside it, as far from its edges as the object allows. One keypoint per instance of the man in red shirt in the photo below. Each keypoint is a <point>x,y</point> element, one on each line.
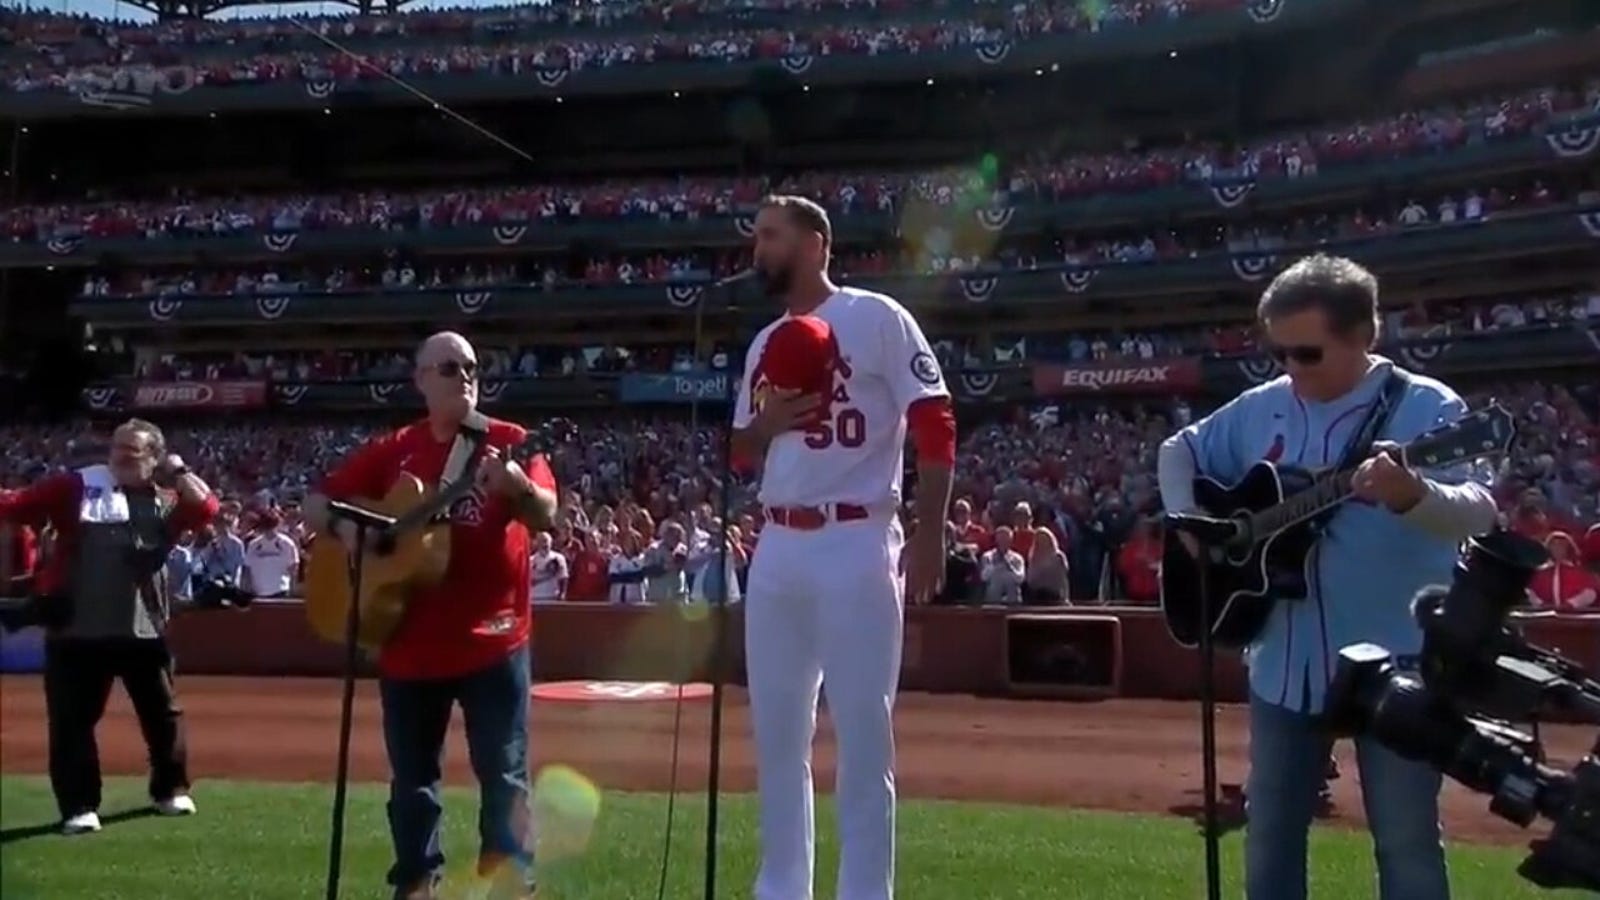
<point>103,597</point>
<point>591,581</point>
<point>467,640</point>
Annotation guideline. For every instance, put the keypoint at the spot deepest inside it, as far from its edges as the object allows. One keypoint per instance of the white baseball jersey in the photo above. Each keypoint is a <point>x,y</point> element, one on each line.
<point>272,559</point>
<point>858,453</point>
<point>547,576</point>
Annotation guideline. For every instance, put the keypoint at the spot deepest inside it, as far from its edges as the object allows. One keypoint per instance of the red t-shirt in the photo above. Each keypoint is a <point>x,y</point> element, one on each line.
<point>1136,565</point>
<point>591,579</point>
<point>1591,546</point>
<point>1565,587</point>
<point>975,534</point>
<point>481,612</point>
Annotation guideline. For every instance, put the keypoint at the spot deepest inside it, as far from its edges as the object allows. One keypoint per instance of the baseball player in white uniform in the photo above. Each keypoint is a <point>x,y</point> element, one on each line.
<point>825,599</point>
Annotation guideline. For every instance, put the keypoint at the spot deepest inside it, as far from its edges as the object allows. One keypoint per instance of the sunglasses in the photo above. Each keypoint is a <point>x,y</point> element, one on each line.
<point>452,368</point>
<point>1304,355</point>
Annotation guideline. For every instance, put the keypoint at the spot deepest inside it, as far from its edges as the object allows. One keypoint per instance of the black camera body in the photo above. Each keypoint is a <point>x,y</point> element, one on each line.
<point>1475,669</point>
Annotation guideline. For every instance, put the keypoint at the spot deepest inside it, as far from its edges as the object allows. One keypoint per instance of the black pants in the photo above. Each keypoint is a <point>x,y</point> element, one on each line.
<point>77,682</point>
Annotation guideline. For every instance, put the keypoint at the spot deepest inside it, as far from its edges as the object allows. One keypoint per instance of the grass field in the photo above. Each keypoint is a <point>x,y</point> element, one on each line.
<point>269,842</point>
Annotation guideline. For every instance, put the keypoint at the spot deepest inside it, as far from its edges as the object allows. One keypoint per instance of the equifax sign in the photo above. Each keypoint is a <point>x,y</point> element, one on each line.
<point>1112,378</point>
<point>200,395</point>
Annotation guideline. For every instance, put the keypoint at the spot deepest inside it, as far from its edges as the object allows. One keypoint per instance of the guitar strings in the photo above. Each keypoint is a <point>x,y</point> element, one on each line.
<point>472,125</point>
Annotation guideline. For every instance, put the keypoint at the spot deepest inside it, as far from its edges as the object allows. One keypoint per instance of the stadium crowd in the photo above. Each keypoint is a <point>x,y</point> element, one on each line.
<point>502,362</point>
<point>1298,155</point>
<point>933,254</point>
<point>1055,504</point>
<point>45,31</point>
<point>1057,507</point>
<point>79,67</point>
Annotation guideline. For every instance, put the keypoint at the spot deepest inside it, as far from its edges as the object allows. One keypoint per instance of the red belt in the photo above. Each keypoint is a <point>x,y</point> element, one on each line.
<point>810,518</point>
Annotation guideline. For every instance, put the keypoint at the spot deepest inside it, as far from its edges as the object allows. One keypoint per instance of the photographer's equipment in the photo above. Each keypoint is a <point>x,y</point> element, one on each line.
<point>1474,668</point>
<point>1268,521</point>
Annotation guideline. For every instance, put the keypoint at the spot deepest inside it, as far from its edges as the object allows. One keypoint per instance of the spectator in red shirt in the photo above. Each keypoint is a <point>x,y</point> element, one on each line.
<point>107,606</point>
<point>968,530</point>
<point>1139,564</point>
<point>1591,547</point>
<point>1563,584</point>
<point>465,641</point>
<point>591,581</point>
<point>1022,526</point>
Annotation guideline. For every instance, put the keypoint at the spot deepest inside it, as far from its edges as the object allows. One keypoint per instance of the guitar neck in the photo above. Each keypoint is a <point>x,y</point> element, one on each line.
<point>1327,491</point>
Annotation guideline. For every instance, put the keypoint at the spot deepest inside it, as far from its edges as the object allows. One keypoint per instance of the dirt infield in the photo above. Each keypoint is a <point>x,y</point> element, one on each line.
<point>1133,756</point>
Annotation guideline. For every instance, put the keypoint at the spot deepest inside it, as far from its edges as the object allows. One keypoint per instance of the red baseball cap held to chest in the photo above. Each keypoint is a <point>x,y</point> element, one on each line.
<point>801,354</point>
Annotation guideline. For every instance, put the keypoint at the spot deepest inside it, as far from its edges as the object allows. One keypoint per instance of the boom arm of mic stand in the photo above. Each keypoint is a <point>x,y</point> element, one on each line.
<point>366,522</point>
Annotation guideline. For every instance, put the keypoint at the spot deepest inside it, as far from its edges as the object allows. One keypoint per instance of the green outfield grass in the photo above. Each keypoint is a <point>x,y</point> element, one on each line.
<point>269,842</point>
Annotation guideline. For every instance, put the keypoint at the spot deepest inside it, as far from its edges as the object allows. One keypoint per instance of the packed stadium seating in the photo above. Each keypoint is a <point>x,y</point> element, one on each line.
<point>574,49</point>
<point>1083,465</point>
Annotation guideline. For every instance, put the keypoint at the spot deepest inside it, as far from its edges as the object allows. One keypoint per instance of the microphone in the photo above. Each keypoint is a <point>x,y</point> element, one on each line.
<point>737,277</point>
<point>1209,529</point>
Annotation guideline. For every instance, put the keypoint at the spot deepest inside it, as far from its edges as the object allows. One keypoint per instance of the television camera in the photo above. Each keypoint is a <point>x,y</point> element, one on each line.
<point>1475,674</point>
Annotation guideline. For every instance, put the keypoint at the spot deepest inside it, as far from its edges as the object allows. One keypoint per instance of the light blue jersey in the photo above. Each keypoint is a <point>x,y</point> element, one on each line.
<point>1369,562</point>
<point>223,558</point>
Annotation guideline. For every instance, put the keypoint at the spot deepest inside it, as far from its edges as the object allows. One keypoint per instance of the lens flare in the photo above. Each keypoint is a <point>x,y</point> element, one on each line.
<point>566,806</point>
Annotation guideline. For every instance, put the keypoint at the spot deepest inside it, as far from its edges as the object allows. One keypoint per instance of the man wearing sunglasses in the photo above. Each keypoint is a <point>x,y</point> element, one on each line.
<point>1400,533</point>
<point>467,640</point>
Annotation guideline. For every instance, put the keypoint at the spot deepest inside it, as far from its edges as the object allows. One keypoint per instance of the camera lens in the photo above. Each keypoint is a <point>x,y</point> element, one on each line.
<point>1500,564</point>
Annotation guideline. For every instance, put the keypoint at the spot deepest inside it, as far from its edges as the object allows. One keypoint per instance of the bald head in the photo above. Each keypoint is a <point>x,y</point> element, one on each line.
<point>447,378</point>
<point>446,345</point>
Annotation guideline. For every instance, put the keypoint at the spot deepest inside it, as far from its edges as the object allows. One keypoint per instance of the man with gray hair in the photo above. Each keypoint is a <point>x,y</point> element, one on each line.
<point>1320,319</point>
<point>105,605</point>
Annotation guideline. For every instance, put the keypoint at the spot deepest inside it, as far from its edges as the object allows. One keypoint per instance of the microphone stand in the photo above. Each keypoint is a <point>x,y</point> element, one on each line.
<point>719,610</point>
<point>1211,536</point>
<point>367,523</point>
<point>1210,555</point>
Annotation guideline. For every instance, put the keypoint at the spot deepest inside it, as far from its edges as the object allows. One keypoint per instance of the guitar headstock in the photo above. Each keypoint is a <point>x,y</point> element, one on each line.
<point>1482,432</point>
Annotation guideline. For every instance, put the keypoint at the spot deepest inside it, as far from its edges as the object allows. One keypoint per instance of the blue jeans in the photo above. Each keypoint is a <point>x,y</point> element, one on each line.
<point>416,717</point>
<point>1288,756</point>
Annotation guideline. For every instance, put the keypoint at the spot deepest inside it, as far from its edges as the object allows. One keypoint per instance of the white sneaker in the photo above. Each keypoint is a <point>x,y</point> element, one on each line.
<point>178,805</point>
<point>82,823</point>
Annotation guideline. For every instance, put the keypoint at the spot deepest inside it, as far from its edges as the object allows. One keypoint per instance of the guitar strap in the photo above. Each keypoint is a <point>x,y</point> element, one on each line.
<point>470,438</point>
<point>1375,421</point>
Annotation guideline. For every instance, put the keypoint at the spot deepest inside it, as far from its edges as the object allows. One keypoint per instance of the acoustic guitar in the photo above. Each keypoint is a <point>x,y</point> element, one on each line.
<point>393,575</point>
<point>1271,517</point>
